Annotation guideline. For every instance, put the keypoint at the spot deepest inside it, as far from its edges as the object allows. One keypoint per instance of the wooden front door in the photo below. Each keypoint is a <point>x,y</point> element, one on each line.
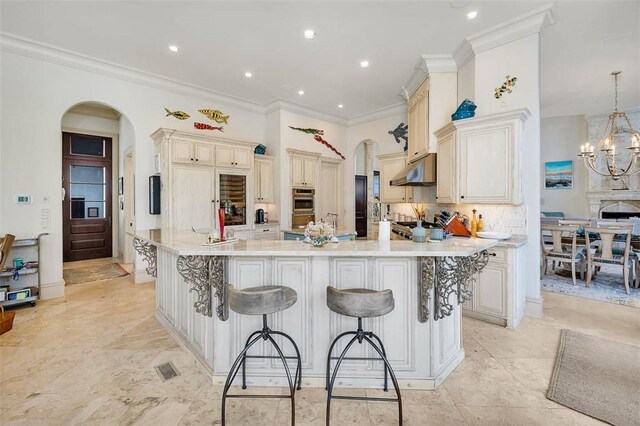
<point>86,207</point>
<point>361,206</point>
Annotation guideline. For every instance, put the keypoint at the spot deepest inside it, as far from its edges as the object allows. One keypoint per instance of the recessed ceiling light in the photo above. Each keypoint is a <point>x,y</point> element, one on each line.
<point>173,48</point>
<point>300,92</point>
<point>248,74</point>
<point>364,64</point>
<point>472,15</point>
<point>340,106</point>
<point>309,34</point>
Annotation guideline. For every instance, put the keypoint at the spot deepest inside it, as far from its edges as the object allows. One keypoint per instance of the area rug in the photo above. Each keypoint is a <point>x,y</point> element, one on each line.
<point>86,274</point>
<point>606,287</point>
<point>597,377</point>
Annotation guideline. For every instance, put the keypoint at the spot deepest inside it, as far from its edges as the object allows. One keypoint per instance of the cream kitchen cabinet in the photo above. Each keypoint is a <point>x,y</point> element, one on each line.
<point>418,121</point>
<point>191,189</point>
<point>480,159</point>
<point>390,166</point>
<point>197,185</point>
<point>266,231</point>
<point>188,152</point>
<point>499,293</point>
<point>263,172</point>
<point>228,156</point>
<point>303,168</point>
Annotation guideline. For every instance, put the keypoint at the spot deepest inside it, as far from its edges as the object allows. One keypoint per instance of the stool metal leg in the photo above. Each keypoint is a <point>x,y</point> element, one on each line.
<point>384,354</point>
<point>393,379</point>
<point>232,374</point>
<point>291,382</point>
<point>299,367</point>
<point>360,335</point>
<point>244,360</point>
<point>335,374</point>
<point>346,333</point>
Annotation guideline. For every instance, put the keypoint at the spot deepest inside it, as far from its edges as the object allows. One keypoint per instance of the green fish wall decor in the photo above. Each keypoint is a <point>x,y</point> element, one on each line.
<point>180,115</point>
<point>308,131</point>
<point>215,115</point>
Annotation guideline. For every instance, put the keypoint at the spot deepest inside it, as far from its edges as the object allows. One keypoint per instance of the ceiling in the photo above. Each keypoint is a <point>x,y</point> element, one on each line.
<point>220,41</point>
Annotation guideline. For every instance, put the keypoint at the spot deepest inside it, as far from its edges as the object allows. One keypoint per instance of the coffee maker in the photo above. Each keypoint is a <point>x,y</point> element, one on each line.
<point>260,216</point>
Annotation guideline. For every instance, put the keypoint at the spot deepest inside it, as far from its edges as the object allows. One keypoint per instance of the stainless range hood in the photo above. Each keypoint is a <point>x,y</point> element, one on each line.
<point>419,172</point>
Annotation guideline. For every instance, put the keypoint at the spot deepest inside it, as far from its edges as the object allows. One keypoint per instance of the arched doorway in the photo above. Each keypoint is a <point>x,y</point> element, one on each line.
<point>93,197</point>
<point>367,187</point>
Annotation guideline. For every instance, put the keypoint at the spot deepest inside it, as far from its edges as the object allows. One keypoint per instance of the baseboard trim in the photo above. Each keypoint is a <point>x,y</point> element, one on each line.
<point>52,290</point>
<point>534,307</point>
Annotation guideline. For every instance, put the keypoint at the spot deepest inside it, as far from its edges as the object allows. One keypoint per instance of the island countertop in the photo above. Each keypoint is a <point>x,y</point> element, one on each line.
<point>187,243</point>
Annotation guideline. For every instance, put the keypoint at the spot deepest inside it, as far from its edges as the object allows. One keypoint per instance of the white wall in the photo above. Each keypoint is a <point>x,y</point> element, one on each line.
<point>520,58</point>
<point>35,95</point>
<point>466,81</point>
<point>560,139</point>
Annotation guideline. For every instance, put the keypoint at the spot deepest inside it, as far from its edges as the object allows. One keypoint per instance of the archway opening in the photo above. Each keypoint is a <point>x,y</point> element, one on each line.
<point>367,188</point>
<point>95,205</point>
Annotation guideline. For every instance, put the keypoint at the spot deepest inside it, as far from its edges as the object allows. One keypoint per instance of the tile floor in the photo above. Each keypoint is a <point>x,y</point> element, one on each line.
<point>89,358</point>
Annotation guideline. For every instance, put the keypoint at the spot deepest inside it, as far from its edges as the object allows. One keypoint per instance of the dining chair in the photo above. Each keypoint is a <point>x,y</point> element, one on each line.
<point>563,253</point>
<point>605,256</point>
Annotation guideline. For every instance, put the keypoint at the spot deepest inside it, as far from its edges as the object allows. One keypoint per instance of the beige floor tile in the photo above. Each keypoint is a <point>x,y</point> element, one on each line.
<point>439,396</point>
<point>495,416</point>
<point>52,409</point>
<point>504,343</point>
<point>472,347</point>
<point>418,415</point>
<point>90,357</point>
<point>568,417</point>
<point>484,382</point>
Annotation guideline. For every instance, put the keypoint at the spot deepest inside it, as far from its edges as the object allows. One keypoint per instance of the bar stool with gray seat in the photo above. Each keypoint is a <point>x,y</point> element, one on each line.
<point>360,303</point>
<point>263,301</point>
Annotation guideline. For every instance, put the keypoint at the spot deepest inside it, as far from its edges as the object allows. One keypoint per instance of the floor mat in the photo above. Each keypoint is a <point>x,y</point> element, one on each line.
<point>86,274</point>
<point>607,286</point>
<point>597,377</point>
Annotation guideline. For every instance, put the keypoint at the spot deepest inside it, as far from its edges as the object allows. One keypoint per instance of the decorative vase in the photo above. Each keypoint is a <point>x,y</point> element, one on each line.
<point>419,234</point>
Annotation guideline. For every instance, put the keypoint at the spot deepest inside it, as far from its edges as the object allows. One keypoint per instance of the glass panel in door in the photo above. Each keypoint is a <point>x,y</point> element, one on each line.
<point>233,199</point>
<point>88,192</point>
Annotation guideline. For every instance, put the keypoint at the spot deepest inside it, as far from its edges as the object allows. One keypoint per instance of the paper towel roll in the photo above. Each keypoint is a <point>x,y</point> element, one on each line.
<point>384,230</point>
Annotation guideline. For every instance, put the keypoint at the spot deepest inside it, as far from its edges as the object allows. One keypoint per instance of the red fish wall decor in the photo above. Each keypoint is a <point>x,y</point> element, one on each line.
<point>203,126</point>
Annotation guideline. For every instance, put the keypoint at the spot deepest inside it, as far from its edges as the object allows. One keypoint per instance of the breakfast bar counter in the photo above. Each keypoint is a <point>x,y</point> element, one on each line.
<point>422,335</point>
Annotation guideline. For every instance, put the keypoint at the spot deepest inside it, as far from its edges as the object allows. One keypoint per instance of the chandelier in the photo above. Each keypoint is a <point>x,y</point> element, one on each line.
<point>609,157</point>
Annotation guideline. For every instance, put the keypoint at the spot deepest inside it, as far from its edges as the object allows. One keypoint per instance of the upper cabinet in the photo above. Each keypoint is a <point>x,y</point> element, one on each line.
<point>303,168</point>
<point>200,174</point>
<point>189,152</point>
<point>228,156</point>
<point>480,159</point>
<point>390,166</point>
<point>418,121</point>
<point>263,172</point>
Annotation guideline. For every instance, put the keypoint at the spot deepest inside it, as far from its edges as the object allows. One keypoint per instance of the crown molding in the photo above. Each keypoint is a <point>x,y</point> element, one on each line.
<point>55,55</point>
<point>378,114</point>
<point>514,29</point>
<point>427,64</point>
<point>280,104</point>
<point>463,53</point>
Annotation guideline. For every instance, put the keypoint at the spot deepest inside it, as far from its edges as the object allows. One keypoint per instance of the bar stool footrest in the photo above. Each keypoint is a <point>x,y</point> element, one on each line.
<point>258,396</point>
<point>364,398</point>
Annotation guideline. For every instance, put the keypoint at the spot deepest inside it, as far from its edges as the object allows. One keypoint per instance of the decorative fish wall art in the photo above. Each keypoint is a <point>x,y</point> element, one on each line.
<point>308,131</point>
<point>507,86</point>
<point>331,147</point>
<point>400,132</point>
<point>203,126</point>
<point>215,115</point>
<point>180,115</point>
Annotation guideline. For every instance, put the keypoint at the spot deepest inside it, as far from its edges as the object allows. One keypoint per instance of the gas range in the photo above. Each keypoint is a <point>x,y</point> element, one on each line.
<point>402,230</point>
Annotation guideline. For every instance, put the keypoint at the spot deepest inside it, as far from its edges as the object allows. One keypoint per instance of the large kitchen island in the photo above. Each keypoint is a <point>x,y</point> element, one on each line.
<point>422,335</point>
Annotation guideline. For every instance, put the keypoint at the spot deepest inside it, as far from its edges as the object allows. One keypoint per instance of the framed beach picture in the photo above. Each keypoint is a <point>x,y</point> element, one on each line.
<point>558,174</point>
